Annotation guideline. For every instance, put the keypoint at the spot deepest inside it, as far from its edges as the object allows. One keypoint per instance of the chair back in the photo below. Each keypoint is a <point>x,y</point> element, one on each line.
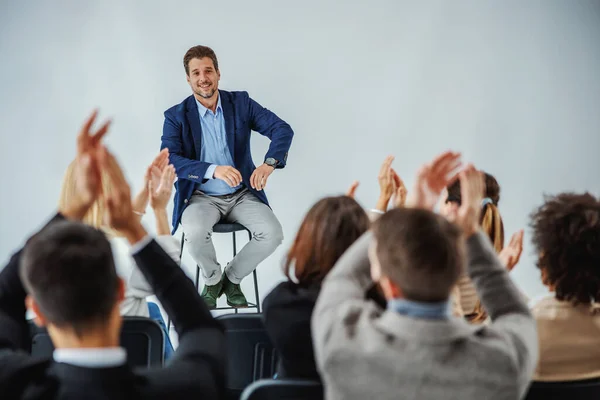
<point>250,354</point>
<point>142,337</point>
<point>283,389</point>
<point>575,390</point>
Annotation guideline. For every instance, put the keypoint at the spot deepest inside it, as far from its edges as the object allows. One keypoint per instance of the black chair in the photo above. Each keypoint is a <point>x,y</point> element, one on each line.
<point>143,339</point>
<point>574,390</point>
<point>225,227</point>
<point>283,389</point>
<point>251,355</point>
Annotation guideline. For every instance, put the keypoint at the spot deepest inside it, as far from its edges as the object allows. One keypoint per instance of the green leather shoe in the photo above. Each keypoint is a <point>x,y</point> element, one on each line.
<point>210,294</point>
<point>235,297</point>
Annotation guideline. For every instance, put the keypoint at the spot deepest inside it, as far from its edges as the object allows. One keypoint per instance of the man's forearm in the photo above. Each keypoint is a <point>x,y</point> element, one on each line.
<point>497,292</point>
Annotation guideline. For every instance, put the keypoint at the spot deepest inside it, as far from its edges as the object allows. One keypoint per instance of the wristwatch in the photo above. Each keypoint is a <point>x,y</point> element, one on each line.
<point>271,162</point>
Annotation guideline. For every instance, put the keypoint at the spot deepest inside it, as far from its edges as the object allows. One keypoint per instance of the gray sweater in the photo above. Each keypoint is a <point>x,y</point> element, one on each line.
<point>364,352</point>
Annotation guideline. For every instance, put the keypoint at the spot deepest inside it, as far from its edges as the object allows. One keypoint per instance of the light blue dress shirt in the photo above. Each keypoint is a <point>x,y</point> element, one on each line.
<point>420,310</point>
<point>214,149</point>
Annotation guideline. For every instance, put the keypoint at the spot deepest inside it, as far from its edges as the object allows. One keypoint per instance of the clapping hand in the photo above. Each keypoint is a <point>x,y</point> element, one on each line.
<point>511,254</point>
<point>120,215</point>
<point>472,187</point>
<point>431,180</point>
<point>86,171</point>
<point>153,174</point>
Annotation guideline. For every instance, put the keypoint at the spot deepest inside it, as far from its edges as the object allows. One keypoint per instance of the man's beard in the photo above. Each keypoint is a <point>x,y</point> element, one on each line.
<point>204,95</point>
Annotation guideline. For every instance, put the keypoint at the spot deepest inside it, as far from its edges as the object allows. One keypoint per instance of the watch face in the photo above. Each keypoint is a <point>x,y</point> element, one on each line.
<point>270,161</point>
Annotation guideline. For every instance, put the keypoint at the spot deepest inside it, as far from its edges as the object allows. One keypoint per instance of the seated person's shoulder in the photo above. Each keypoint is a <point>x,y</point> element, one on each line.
<point>19,370</point>
<point>177,109</point>
<point>290,294</point>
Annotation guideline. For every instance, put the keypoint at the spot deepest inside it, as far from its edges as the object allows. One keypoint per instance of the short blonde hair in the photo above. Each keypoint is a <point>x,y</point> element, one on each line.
<point>96,215</point>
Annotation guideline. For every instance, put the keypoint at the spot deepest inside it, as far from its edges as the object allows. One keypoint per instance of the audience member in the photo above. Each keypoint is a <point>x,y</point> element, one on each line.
<point>493,226</point>
<point>328,229</point>
<point>566,236</point>
<point>66,275</point>
<point>156,189</point>
<point>415,348</point>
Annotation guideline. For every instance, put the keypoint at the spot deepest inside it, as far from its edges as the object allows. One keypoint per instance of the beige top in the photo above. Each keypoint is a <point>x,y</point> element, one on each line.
<point>569,340</point>
<point>468,295</point>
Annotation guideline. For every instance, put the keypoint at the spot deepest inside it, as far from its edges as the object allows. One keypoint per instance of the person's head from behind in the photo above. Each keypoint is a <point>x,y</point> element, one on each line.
<point>202,71</point>
<point>69,273</point>
<point>416,255</point>
<point>566,235</point>
<point>491,220</point>
<point>328,229</point>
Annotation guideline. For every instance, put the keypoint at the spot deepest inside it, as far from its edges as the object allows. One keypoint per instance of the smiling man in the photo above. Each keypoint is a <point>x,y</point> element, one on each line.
<point>208,137</point>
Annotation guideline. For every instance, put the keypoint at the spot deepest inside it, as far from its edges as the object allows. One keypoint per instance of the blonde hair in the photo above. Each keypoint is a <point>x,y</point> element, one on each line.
<point>491,223</point>
<point>96,215</point>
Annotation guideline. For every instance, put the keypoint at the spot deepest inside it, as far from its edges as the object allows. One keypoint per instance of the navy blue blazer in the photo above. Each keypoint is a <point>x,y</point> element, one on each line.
<point>182,135</point>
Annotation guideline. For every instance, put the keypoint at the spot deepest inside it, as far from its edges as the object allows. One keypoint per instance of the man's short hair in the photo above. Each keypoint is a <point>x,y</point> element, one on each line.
<point>68,268</point>
<point>199,52</point>
<point>421,252</point>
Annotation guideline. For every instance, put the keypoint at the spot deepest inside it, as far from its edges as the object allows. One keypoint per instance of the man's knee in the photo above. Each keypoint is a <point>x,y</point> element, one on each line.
<point>271,233</point>
<point>197,234</point>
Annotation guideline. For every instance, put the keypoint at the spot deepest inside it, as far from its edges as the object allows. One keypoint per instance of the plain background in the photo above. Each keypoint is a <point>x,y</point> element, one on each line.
<point>514,85</point>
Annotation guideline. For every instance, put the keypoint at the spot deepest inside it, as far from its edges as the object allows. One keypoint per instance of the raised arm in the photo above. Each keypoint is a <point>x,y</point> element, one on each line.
<point>342,291</point>
<point>14,333</point>
<point>511,319</point>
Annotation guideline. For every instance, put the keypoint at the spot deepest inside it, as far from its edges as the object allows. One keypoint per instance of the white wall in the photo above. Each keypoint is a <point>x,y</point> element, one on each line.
<point>512,84</point>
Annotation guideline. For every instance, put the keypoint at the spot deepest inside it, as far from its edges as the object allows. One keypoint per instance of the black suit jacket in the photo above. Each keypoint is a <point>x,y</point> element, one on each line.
<point>287,312</point>
<point>196,370</point>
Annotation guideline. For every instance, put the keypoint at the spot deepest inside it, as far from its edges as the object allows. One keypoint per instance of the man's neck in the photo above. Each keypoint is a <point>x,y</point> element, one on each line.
<point>210,103</point>
<point>67,339</point>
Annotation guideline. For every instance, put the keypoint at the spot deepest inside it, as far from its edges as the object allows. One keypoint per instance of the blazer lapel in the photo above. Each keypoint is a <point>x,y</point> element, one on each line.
<point>194,121</point>
<point>229,116</point>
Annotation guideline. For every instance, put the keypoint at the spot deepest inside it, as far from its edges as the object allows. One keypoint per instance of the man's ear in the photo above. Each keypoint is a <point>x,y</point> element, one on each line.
<point>374,261</point>
<point>39,319</point>
<point>390,289</point>
<point>121,290</point>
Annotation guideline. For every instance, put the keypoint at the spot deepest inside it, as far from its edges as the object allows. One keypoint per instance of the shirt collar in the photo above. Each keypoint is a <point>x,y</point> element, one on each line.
<point>92,357</point>
<point>418,309</point>
<point>202,110</point>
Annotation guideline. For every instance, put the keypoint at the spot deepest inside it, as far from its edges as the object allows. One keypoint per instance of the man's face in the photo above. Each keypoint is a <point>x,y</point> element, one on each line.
<point>203,77</point>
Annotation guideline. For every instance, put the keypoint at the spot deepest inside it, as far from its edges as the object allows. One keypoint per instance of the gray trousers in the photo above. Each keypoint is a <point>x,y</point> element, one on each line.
<point>242,207</point>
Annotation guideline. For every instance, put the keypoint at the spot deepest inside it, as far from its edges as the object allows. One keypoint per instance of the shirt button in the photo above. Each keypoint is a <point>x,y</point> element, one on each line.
<point>185,201</point>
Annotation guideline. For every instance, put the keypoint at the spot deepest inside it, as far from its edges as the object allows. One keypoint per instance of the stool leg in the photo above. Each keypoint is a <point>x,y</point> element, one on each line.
<point>197,276</point>
<point>181,250</point>
<point>255,282</point>
<point>234,254</point>
<point>234,245</point>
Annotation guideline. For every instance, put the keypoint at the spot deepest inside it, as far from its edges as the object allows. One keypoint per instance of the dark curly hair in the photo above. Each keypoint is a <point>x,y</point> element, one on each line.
<point>566,234</point>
